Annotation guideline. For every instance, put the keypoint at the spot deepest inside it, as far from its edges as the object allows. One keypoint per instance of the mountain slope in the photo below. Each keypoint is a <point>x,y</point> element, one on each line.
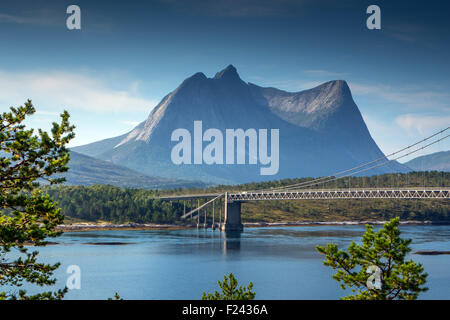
<point>328,109</point>
<point>97,148</point>
<point>321,130</point>
<point>439,161</point>
<point>86,170</point>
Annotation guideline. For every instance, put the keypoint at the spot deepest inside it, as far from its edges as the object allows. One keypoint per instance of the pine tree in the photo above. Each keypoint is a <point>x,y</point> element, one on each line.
<point>230,290</point>
<point>27,215</point>
<point>377,270</point>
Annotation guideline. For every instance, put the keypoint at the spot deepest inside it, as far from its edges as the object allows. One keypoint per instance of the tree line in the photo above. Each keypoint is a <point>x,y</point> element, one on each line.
<point>120,205</point>
<point>109,203</point>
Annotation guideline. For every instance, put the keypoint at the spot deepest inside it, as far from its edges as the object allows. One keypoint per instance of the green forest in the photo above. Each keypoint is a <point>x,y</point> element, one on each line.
<point>114,204</point>
<point>119,205</point>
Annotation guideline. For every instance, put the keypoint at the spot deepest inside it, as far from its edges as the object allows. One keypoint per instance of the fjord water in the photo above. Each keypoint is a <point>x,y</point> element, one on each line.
<point>281,262</point>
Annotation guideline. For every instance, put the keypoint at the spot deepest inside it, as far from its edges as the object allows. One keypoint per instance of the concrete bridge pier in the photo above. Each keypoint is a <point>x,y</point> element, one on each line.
<point>232,216</point>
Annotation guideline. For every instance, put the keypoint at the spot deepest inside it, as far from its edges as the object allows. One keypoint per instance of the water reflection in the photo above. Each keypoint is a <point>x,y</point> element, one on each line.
<point>154,263</point>
<point>231,241</point>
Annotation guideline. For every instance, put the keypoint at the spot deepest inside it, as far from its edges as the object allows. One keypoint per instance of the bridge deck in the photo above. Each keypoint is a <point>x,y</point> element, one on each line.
<point>363,193</point>
<point>190,196</point>
<point>312,194</point>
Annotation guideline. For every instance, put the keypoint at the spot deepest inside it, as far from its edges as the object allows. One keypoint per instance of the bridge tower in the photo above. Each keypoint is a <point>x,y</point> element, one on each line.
<point>232,215</point>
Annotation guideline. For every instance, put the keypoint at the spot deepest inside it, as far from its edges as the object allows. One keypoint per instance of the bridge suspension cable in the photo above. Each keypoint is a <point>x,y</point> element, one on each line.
<point>196,210</point>
<point>372,167</point>
<point>334,177</point>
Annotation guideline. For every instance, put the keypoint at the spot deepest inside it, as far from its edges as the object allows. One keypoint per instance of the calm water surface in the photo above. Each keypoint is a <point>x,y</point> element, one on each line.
<point>281,262</point>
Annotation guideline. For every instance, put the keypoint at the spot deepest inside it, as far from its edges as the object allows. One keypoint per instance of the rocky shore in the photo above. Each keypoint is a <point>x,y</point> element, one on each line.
<point>86,226</point>
<point>339,223</point>
<point>110,226</point>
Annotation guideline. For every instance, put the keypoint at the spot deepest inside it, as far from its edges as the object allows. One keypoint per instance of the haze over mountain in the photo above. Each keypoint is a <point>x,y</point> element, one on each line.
<point>85,170</point>
<point>439,161</point>
<point>321,130</point>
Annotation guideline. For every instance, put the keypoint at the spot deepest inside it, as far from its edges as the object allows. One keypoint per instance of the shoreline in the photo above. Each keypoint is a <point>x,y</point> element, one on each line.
<point>80,227</point>
<point>127,226</point>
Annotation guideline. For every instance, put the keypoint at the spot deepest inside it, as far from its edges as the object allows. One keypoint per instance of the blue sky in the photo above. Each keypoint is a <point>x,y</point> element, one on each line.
<point>129,54</point>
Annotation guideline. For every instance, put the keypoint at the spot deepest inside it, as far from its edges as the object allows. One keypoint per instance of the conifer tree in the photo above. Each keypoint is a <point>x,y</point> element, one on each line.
<point>230,290</point>
<point>27,215</point>
<point>377,270</point>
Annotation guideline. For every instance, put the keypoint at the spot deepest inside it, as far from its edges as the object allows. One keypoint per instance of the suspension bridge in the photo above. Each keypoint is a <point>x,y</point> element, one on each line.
<point>308,190</point>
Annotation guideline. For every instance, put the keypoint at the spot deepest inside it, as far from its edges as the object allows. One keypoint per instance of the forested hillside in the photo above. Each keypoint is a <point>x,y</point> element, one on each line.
<point>108,203</point>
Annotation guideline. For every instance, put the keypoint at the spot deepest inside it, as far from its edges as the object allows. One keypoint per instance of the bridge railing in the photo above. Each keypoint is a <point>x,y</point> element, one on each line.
<point>298,191</point>
<point>354,193</point>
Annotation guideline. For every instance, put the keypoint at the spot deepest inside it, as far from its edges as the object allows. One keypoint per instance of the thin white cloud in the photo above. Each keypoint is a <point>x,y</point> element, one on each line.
<point>11,19</point>
<point>46,113</point>
<point>324,73</point>
<point>240,8</point>
<point>310,84</point>
<point>408,96</point>
<point>431,112</point>
<point>287,85</point>
<point>422,124</point>
<point>57,90</point>
<point>376,126</point>
<point>130,123</point>
<point>407,32</point>
<point>35,16</point>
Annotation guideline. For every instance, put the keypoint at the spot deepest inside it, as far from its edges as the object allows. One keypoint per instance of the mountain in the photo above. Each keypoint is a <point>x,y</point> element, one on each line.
<point>85,170</point>
<point>321,130</point>
<point>439,161</point>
